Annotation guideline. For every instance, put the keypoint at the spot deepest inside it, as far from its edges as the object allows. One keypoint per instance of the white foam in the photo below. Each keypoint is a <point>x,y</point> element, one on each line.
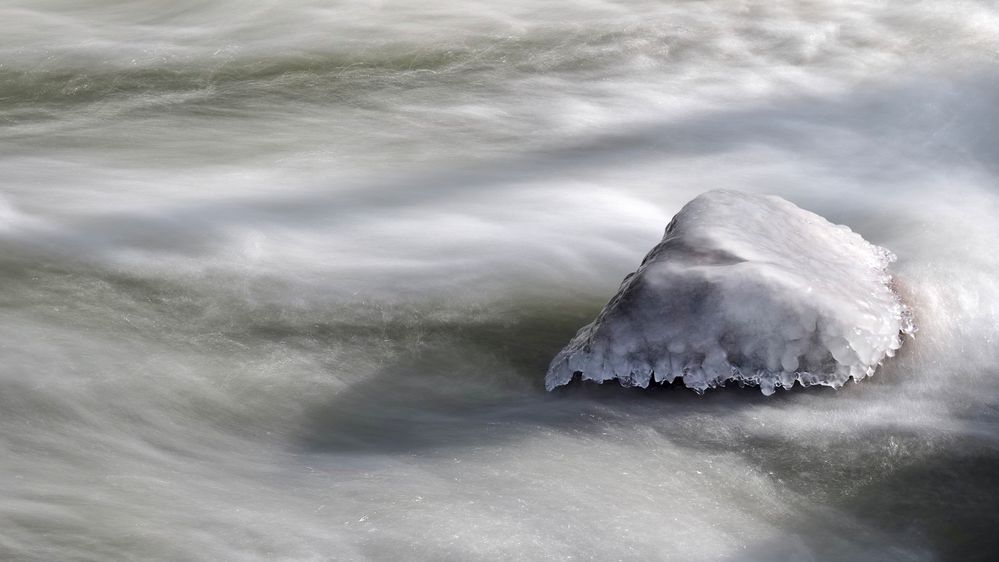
<point>750,289</point>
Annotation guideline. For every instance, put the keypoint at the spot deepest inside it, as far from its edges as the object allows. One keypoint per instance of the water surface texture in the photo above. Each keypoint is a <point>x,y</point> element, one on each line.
<point>281,280</point>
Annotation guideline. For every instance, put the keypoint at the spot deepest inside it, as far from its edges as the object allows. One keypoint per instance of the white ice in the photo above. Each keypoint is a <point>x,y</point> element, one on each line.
<point>748,289</point>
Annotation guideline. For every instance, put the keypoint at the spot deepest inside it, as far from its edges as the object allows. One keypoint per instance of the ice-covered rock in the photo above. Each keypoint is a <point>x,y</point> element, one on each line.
<point>749,289</point>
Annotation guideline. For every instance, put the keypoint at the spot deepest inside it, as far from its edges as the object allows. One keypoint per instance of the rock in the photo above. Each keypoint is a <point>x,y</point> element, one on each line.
<point>748,289</point>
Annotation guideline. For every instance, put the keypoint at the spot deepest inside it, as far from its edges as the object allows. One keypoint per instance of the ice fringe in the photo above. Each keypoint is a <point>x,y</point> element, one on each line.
<point>749,289</point>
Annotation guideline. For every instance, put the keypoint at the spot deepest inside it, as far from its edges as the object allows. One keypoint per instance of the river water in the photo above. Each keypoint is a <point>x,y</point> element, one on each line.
<point>281,280</point>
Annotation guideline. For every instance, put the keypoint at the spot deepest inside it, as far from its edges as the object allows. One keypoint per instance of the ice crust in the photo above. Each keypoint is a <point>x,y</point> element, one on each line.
<point>749,289</point>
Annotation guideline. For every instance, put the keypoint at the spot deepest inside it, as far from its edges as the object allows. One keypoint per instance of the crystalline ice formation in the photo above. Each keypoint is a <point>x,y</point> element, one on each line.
<point>744,288</point>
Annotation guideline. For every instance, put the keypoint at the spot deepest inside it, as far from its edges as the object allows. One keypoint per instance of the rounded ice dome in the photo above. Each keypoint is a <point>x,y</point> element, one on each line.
<point>749,289</point>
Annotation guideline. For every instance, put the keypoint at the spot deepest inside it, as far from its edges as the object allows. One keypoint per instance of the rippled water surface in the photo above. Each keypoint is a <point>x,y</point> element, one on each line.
<point>281,279</point>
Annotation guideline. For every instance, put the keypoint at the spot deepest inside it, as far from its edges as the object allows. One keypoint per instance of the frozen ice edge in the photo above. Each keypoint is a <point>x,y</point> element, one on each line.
<point>747,289</point>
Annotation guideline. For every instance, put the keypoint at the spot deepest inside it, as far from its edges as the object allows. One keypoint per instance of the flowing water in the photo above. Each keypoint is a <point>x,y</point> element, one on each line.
<point>281,280</point>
